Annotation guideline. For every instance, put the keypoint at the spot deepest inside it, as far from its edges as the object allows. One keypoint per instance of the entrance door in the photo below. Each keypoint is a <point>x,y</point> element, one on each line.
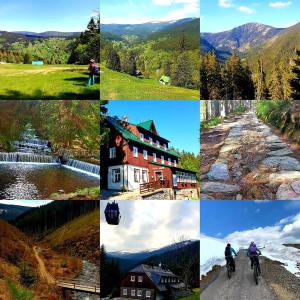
<point>158,175</point>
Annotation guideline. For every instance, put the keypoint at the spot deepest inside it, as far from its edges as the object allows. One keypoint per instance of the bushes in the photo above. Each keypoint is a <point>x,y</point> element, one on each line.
<point>19,293</point>
<point>28,277</point>
<point>211,123</point>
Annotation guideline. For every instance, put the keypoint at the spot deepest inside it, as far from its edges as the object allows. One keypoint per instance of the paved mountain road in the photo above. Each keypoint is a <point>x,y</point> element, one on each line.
<point>241,285</point>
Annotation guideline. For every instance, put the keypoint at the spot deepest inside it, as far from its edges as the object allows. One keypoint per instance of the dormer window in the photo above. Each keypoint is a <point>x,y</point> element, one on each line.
<point>140,279</point>
<point>150,140</point>
<point>142,136</point>
<point>132,279</point>
<point>157,144</point>
<point>169,162</point>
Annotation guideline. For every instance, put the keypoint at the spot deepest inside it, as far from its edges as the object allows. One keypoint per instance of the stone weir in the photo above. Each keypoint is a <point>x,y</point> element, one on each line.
<point>83,166</point>
<point>16,157</point>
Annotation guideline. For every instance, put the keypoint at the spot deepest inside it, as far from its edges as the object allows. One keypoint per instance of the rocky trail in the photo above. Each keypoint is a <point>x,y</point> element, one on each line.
<point>252,163</point>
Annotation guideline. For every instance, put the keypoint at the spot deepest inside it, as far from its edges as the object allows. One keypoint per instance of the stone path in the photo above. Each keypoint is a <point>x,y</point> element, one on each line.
<point>253,163</point>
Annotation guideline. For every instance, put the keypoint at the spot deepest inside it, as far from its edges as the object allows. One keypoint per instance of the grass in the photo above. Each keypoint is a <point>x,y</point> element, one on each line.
<point>211,123</point>
<point>19,293</point>
<point>92,193</point>
<point>195,296</point>
<point>22,82</point>
<point>119,86</point>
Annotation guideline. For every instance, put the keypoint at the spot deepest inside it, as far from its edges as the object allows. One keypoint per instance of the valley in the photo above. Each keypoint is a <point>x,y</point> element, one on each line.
<point>33,267</point>
<point>255,57</point>
<point>154,60</point>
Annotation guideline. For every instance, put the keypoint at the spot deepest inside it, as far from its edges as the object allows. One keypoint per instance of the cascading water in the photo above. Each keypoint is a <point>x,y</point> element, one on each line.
<point>26,157</point>
<point>83,166</point>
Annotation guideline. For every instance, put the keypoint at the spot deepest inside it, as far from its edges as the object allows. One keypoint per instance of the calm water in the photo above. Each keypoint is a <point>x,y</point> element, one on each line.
<point>38,181</point>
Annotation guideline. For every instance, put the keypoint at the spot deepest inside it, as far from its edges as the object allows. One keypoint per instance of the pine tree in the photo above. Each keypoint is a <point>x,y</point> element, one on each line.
<point>259,78</point>
<point>129,65</point>
<point>295,80</point>
<point>276,84</point>
<point>113,61</point>
<point>183,74</point>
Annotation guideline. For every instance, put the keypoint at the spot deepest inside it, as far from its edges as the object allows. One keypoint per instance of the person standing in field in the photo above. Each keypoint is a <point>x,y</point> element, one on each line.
<point>91,69</point>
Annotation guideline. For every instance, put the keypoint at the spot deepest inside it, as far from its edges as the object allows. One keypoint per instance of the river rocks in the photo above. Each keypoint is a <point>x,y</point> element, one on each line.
<point>277,146</point>
<point>218,172</point>
<point>230,147</point>
<point>280,152</point>
<point>282,163</point>
<point>218,187</point>
<point>289,191</point>
<point>273,139</point>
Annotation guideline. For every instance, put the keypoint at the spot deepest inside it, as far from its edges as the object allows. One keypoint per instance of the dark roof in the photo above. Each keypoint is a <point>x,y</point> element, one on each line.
<point>128,135</point>
<point>155,273</point>
<point>172,167</point>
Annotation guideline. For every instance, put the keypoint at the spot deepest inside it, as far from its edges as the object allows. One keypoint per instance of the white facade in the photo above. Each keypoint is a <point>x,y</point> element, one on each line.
<point>127,176</point>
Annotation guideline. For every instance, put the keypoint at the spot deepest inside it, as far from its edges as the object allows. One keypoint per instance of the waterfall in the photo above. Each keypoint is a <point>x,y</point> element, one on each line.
<point>26,158</point>
<point>83,166</point>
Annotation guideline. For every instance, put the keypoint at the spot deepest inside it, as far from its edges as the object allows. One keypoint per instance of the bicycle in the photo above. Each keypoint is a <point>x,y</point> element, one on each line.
<point>229,267</point>
<point>256,271</point>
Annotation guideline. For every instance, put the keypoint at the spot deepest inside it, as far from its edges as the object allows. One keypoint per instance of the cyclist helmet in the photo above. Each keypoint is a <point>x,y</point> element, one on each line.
<point>228,245</point>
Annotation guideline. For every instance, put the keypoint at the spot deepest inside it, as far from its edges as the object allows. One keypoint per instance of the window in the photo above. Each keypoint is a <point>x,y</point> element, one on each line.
<point>136,175</point>
<point>157,143</point>
<point>151,140</point>
<point>145,154</point>
<point>165,146</point>
<point>132,292</point>
<point>135,152</point>
<point>162,159</point>
<point>148,294</point>
<point>112,152</point>
<point>139,293</point>
<point>132,279</point>
<point>169,162</point>
<point>116,175</point>
<point>154,157</point>
<point>140,279</point>
<point>142,137</point>
<point>175,163</point>
<point>124,292</point>
<point>144,176</point>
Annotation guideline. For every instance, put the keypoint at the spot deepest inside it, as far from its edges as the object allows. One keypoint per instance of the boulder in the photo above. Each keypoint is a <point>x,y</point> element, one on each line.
<point>280,152</point>
<point>282,162</point>
<point>218,172</point>
<point>286,192</point>
<point>284,176</point>
<point>218,187</point>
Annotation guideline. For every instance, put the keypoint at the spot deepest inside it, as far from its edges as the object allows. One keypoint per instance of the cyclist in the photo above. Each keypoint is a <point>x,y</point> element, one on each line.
<point>253,252</point>
<point>229,251</point>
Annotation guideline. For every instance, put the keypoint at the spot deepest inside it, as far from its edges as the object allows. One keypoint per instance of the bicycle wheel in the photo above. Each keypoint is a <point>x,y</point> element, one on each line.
<point>255,273</point>
<point>229,271</point>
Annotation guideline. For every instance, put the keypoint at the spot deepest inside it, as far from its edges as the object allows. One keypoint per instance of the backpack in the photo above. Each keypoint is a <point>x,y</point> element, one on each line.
<point>95,69</point>
<point>253,249</point>
<point>228,251</point>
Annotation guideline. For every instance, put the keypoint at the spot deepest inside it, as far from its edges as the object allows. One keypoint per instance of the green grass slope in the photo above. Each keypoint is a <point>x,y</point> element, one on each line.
<point>119,86</point>
<point>23,82</point>
<point>278,49</point>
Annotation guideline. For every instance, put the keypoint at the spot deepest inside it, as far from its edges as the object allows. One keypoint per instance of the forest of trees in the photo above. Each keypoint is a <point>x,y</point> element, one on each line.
<point>65,123</point>
<point>152,59</point>
<point>56,50</point>
<point>235,79</point>
<point>41,220</point>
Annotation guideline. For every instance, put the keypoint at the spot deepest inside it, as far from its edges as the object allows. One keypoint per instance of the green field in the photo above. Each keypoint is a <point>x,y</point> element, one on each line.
<point>195,296</point>
<point>120,86</point>
<point>20,81</point>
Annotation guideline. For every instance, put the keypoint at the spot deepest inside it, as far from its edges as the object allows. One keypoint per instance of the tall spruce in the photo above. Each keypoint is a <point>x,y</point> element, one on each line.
<point>113,60</point>
<point>183,72</point>
<point>295,80</point>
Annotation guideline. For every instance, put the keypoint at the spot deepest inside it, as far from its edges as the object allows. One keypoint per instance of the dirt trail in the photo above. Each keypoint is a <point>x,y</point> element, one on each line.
<point>44,274</point>
<point>252,163</point>
<point>241,285</point>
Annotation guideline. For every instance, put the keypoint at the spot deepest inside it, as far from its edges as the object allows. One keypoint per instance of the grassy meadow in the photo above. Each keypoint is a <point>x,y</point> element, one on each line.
<point>120,86</point>
<point>24,81</point>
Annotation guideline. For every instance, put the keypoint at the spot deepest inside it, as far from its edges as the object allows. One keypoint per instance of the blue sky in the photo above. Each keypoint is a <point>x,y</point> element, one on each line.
<point>32,203</point>
<point>221,218</point>
<point>221,15</point>
<point>45,15</point>
<point>141,11</point>
<point>175,120</point>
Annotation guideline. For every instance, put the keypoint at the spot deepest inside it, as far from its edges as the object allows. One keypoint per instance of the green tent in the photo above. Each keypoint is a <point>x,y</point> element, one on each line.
<point>166,80</point>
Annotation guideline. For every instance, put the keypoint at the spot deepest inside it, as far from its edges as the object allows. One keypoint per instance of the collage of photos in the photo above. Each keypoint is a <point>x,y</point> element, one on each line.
<point>150,149</point>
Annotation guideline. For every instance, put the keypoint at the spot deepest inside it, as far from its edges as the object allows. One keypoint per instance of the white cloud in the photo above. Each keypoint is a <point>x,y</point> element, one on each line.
<point>226,3</point>
<point>162,2</point>
<point>280,4</point>
<point>289,25</point>
<point>287,230</point>
<point>150,224</point>
<point>246,9</point>
<point>29,203</point>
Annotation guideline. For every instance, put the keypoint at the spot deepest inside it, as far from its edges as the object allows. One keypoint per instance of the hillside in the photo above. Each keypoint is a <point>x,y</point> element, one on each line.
<point>11,212</point>
<point>278,49</point>
<point>79,237</point>
<point>47,34</point>
<point>117,85</point>
<point>7,38</point>
<point>242,38</point>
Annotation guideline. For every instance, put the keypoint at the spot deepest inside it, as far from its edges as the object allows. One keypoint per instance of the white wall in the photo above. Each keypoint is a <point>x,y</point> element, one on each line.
<point>131,184</point>
<point>115,185</point>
